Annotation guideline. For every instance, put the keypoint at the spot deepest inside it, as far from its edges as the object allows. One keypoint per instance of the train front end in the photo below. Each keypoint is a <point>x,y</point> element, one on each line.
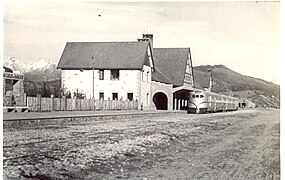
<point>198,102</point>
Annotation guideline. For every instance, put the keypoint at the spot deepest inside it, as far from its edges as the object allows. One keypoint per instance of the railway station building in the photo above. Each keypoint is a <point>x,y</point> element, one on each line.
<point>13,88</point>
<point>158,78</point>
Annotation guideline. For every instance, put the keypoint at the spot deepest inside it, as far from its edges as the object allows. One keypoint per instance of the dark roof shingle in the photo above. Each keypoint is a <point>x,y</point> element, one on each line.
<point>104,55</point>
<point>172,63</point>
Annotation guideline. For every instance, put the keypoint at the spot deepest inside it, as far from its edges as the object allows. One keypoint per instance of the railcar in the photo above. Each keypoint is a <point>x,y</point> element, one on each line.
<point>204,101</point>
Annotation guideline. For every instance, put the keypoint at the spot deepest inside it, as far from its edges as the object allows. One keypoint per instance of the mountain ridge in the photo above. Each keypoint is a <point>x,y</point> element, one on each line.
<point>18,65</point>
<point>227,81</point>
<point>41,70</point>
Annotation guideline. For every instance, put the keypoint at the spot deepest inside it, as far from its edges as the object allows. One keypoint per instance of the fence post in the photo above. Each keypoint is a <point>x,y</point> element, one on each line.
<point>76,104</point>
<point>52,102</point>
<point>78,108</point>
<point>64,103</point>
<point>104,104</point>
<point>108,104</point>
<point>25,99</point>
<point>136,105</point>
<point>60,109</point>
<point>127,104</point>
<point>38,102</point>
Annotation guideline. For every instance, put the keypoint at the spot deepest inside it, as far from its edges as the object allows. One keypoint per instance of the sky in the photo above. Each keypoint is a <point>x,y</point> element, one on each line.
<point>244,36</point>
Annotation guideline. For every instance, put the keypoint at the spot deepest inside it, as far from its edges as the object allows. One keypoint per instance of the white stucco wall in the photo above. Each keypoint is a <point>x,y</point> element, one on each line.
<point>127,83</point>
<point>164,88</point>
<point>145,87</point>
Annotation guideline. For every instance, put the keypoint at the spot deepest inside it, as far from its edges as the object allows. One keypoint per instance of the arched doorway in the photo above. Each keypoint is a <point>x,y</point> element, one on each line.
<point>160,101</point>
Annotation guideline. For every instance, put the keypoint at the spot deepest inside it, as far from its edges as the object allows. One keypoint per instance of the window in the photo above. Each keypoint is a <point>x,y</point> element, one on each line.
<point>193,96</point>
<point>197,96</point>
<point>115,96</point>
<point>101,96</point>
<point>130,96</point>
<point>201,96</point>
<point>101,74</point>
<point>115,74</point>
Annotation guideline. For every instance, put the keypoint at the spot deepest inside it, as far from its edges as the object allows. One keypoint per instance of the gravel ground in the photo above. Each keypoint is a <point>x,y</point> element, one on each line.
<point>233,145</point>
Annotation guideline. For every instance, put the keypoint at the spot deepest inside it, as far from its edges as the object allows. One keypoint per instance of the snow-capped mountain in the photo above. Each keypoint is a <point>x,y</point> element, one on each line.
<point>42,64</point>
<point>17,65</point>
<point>41,70</point>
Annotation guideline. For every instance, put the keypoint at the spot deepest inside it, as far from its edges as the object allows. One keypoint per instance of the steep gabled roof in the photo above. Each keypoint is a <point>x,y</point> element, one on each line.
<point>172,65</point>
<point>104,55</point>
<point>159,76</point>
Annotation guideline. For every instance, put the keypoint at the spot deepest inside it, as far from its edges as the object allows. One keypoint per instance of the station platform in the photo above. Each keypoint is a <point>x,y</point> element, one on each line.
<point>82,114</point>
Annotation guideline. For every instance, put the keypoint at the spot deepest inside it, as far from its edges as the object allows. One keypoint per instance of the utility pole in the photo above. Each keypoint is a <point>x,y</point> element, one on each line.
<point>93,85</point>
<point>211,81</point>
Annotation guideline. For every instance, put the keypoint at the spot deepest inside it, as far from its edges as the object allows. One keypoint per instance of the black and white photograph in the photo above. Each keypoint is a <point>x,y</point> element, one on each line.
<point>141,90</point>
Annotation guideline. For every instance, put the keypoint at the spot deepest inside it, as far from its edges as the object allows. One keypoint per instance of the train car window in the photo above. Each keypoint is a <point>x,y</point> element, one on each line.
<point>197,96</point>
<point>193,96</point>
<point>201,96</point>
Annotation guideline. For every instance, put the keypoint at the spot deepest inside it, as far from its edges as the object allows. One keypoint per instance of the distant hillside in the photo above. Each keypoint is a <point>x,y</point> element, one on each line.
<point>42,78</point>
<point>225,80</point>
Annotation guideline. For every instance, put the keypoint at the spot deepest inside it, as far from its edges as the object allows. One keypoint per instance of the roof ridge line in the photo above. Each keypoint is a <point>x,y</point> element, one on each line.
<point>172,48</point>
<point>105,41</point>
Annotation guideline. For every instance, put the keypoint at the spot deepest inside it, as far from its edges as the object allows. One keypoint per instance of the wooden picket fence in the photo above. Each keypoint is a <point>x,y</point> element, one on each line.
<point>40,104</point>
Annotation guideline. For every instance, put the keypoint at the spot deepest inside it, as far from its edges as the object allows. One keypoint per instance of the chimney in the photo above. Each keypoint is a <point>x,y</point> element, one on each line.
<point>147,37</point>
<point>150,37</point>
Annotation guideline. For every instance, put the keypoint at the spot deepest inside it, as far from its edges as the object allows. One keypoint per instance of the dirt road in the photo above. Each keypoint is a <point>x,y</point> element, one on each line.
<point>234,145</point>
